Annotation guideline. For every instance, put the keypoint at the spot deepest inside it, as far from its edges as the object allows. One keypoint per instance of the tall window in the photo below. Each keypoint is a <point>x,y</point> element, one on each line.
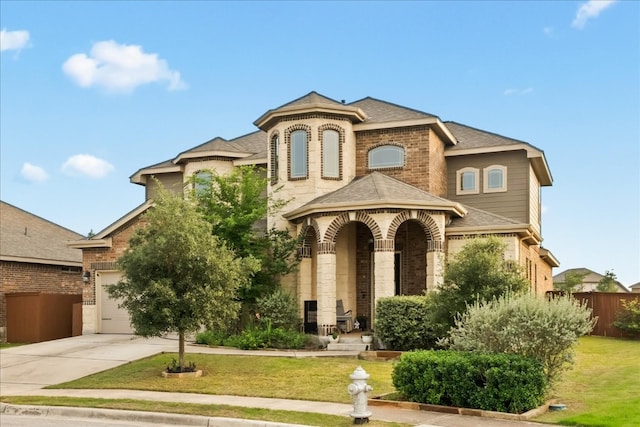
<point>386,156</point>
<point>330,154</point>
<point>202,181</point>
<point>467,181</point>
<point>298,154</point>
<point>495,179</point>
<point>275,150</point>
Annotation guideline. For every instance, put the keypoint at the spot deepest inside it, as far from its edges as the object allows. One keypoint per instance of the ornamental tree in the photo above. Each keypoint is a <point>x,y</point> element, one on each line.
<point>177,276</point>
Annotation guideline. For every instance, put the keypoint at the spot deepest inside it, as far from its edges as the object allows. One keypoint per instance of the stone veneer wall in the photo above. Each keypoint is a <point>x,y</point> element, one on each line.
<point>420,170</point>
<point>31,277</point>
<point>536,270</point>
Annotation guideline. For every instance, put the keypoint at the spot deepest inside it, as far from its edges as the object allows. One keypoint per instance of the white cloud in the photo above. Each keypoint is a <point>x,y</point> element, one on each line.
<point>33,173</point>
<point>120,68</point>
<point>525,91</point>
<point>86,164</point>
<point>590,9</point>
<point>13,40</point>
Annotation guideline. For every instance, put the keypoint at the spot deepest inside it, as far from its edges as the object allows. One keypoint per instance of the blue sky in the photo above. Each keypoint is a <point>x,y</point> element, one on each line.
<point>92,91</point>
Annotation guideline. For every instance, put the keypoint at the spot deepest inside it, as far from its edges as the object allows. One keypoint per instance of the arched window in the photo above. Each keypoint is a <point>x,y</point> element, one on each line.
<point>386,156</point>
<point>330,154</point>
<point>495,179</point>
<point>467,181</point>
<point>275,150</point>
<point>298,160</point>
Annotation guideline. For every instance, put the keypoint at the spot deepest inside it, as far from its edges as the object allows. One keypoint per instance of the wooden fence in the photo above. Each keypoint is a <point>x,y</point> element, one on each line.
<point>605,306</point>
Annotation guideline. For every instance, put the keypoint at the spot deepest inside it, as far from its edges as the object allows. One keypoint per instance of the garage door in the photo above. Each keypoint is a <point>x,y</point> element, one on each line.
<point>113,320</point>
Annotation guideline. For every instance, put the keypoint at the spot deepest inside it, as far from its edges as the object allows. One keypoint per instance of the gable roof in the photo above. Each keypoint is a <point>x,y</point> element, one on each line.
<point>592,278</point>
<point>379,111</point>
<point>25,237</point>
<point>373,191</point>
<point>477,141</point>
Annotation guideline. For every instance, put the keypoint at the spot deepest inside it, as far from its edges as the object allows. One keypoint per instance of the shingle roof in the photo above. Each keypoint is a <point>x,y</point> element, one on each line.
<point>254,142</point>
<point>469,137</point>
<point>34,239</point>
<point>378,111</point>
<point>477,217</point>
<point>312,97</point>
<point>377,189</point>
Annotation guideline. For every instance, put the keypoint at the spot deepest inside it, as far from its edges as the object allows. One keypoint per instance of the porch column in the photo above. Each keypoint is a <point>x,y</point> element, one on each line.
<point>435,265</point>
<point>326,285</point>
<point>305,280</point>
<point>383,271</point>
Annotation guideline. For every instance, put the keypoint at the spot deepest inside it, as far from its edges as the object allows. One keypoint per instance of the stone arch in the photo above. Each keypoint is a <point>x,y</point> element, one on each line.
<point>343,219</point>
<point>427,223</point>
<point>306,242</point>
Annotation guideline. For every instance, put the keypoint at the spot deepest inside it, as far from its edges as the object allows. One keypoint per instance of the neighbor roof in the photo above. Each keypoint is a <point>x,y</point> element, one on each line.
<point>25,237</point>
<point>376,190</point>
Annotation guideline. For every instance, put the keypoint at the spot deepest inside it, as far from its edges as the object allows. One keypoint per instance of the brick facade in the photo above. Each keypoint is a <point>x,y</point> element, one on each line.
<point>420,144</point>
<point>105,258</point>
<point>30,277</point>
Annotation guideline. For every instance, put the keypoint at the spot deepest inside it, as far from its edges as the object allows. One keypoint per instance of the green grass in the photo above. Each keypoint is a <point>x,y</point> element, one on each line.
<point>225,411</point>
<point>319,379</point>
<point>603,388</point>
<point>9,344</point>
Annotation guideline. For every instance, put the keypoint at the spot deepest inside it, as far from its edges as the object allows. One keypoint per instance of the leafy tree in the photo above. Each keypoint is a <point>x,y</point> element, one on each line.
<point>235,204</point>
<point>477,273</point>
<point>628,319</point>
<point>177,276</point>
<point>608,282</point>
<point>573,281</point>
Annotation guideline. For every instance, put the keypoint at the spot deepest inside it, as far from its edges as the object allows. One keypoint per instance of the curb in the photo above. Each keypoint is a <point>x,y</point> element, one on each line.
<point>136,416</point>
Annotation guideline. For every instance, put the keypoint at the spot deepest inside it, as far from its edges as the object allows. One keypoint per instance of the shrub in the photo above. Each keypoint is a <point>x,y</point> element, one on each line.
<point>493,382</point>
<point>211,337</point>
<point>402,323</point>
<point>525,324</point>
<point>279,308</point>
<point>628,320</point>
<point>267,337</point>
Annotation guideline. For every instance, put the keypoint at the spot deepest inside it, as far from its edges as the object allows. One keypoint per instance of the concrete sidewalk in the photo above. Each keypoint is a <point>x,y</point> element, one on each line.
<point>27,369</point>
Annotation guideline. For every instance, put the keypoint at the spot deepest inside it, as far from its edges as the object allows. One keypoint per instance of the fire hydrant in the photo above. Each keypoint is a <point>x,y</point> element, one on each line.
<point>358,390</point>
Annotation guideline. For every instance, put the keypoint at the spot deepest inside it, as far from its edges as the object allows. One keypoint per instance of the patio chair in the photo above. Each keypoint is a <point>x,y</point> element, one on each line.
<point>344,319</point>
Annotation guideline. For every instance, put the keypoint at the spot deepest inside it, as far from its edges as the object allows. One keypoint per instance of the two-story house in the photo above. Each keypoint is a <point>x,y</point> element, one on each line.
<point>381,194</point>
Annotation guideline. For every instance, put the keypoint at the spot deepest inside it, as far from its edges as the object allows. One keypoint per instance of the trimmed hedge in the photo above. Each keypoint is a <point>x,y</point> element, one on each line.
<point>404,322</point>
<point>492,382</point>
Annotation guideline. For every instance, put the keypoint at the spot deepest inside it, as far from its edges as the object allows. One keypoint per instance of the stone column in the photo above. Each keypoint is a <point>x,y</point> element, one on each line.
<point>384,271</point>
<point>326,285</point>
<point>435,265</point>
<point>304,278</point>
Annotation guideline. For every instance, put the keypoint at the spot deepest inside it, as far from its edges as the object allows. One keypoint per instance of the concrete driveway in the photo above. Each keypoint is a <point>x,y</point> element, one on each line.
<point>31,367</point>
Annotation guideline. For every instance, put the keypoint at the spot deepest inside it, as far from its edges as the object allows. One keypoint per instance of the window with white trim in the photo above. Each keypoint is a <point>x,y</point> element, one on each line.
<point>467,181</point>
<point>386,156</point>
<point>298,154</point>
<point>330,154</point>
<point>495,179</point>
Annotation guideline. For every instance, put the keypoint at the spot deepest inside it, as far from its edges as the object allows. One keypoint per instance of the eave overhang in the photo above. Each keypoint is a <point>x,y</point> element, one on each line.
<point>29,260</point>
<point>250,162</point>
<point>91,243</point>
<point>268,119</point>
<point>524,231</point>
<point>211,153</point>
<point>433,122</point>
<point>536,158</point>
<point>549,258</point>
<point>141,177</point>
<point>306,210</point>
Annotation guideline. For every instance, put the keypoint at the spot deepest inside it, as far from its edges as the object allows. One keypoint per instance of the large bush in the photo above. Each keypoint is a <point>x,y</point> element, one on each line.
<point>525,324</point>
<point>402,323</point>
<point>478,272</point>
<point>280,308</point>
<point>493,382</point>
<point>628,319</point>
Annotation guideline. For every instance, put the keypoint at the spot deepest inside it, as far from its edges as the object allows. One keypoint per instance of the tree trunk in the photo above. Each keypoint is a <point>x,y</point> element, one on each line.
<point>181,350</point>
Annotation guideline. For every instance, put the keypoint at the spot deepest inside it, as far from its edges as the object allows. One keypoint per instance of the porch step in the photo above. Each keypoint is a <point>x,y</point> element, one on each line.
<point>347,346</point>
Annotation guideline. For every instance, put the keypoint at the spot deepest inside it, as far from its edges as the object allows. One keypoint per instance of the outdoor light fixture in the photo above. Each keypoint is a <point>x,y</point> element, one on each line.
<point>86,276</point>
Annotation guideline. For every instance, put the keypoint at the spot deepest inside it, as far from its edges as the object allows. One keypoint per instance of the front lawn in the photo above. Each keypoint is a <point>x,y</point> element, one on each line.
<point>603,388</point>
<point>319,379</point>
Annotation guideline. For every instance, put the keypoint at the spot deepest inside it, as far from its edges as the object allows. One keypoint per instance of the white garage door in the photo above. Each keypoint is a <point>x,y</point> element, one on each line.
<point>112,320</point>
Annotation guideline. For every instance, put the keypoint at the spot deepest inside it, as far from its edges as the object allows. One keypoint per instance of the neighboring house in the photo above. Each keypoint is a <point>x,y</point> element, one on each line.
<point>635,287</point>
<point>590,281</point>
<point>35,257</point>
<point>380,195</point>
